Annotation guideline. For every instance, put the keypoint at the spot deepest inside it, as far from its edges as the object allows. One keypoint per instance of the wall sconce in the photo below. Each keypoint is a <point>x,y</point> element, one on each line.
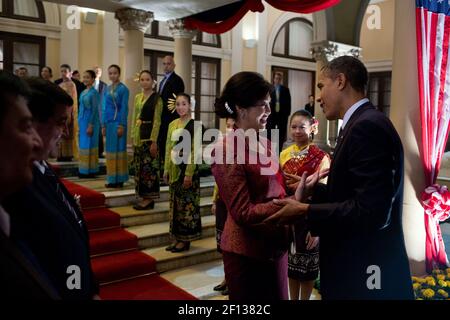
<point>90,17</point>
<point>250,43</point>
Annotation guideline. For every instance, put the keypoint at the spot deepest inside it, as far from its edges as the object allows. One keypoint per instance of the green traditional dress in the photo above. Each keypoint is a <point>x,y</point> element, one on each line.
<point>146,168</point>
<point>184,214</point>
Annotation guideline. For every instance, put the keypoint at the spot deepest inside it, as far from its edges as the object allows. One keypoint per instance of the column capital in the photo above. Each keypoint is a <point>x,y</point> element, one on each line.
<point>134,19</point>
<point>329,50</point>
<point>178,29</point>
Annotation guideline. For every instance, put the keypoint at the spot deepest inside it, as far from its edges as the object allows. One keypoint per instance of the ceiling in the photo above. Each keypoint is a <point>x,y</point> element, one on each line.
<point>162,9</point>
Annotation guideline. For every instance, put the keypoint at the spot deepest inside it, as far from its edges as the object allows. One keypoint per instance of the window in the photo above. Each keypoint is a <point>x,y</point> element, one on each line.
<point>379,91</point>
<point>19,50</point>
<point>205,83</point>
<point>160,30</point>
<point>31,10</point>
<point>294,39</point>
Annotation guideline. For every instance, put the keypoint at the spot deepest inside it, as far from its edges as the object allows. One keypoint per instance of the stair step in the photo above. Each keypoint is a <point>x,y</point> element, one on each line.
<point>157,234</point>
<point>125,197</point>
<point>203,250</point>
<point>130,217</point>
<point>151,287</point>
<point>111,240</point>
<point>122,266</point>
<point>101,218</point>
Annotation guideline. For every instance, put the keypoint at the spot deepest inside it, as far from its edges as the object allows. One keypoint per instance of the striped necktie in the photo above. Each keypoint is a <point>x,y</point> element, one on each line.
<point>55,181</point>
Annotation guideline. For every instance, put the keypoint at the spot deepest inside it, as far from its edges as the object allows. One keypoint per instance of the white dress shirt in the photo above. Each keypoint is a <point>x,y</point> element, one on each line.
<point>352,110</point>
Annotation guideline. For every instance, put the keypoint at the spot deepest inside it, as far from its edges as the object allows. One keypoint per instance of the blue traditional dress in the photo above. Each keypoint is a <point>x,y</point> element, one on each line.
<point>114,115</point>
<point>88,117</point>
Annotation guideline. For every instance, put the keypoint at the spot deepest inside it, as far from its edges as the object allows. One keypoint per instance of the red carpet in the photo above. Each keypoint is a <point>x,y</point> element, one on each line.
<point>88,198</point>
<point>151,287</point>
<point>118,256</point>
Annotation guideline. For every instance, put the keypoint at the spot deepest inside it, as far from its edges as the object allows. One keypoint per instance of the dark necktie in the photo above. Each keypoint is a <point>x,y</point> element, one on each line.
<point>162,83</point>
<point>57,184</point>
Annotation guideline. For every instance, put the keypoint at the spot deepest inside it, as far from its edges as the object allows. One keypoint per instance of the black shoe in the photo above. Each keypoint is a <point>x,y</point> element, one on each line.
<point>220,287</point>
<point>185,247</point>
<point>150,205</point>
<point>84,176</point>
<point>225,292</point>
<point>119,185</point>
<point>170,248</point>
<point>111,185</point>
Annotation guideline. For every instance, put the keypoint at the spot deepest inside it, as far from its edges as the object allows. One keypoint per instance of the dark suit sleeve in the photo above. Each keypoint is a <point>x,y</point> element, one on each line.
<point>178,86</point>
<point>370,182</point>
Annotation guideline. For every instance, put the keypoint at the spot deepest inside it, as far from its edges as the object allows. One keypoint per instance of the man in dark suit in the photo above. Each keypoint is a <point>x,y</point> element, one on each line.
<point>20,276</point>
<point>280,106</point>
<point>44,216</point>
<point>100,86</point>
<point>358,215</point>
<point>170,85</point>
<point>310,105</point>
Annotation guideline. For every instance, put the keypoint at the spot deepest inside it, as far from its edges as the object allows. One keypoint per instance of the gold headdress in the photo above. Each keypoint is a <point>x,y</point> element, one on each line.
<point>171,103</point>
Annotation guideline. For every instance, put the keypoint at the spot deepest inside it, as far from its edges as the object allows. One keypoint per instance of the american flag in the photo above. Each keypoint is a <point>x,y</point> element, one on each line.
<point>433,31</point>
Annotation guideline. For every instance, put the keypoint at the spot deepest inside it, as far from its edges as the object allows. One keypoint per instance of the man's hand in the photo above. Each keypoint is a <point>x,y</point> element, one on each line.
<point>213,208</point>
<point>104,131</point>
<point>290,212</point>
<point>166,178</point>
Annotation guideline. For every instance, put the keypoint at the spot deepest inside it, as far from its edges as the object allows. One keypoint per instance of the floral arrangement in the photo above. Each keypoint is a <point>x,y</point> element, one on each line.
<point>433,287</point>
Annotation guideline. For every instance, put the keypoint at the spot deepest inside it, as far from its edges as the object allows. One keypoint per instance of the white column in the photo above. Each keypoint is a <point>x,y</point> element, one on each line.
<point>70,38</point>
<point>261,55</point>
<point>110,42</point>
<point>406,118</point>
<point>183,51</point>
<point>323,52</point>
<point>134,23</point>
<point>236,48</point>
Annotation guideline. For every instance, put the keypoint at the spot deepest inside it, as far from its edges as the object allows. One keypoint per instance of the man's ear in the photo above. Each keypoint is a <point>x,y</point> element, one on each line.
<point>341,81</point>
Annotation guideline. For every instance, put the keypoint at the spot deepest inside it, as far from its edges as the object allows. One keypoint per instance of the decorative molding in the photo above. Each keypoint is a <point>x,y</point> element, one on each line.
<point>329,50</point>
<point>291,63</point>
<point>134,19</point>
<point>178,29</point>
<point>378,65</point>
<point>31,28</point>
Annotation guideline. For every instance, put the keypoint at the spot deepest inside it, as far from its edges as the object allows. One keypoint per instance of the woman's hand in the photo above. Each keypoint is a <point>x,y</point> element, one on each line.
<point>290,212</point>
<point>300,190</point>
<point>213,208</point>
<point>311,242</point>
<point>138,122</point>
<point>166,178</point>
<point>90,131</point>
<point>104,131</point>
<point>187,182</point>
<point>120,132</point>
<point>153,149</point>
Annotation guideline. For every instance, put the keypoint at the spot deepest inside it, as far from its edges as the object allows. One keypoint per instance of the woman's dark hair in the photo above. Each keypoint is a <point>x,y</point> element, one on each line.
<point>146,71</point>
<point>11,87</point>
<point>182,94</point>
<point>244,89</point>
<point>49,70</point>
<point>75,72</point>
<point>114,66</point>
<point>303,113</point>
<point>46,97</point>
<point>91,73</point>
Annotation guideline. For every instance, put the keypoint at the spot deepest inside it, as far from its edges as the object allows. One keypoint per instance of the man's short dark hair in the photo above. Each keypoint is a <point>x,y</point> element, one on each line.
<point>11,86</point>
<point>66,66</point>
<point>46,97</point>
<point>354,70</point>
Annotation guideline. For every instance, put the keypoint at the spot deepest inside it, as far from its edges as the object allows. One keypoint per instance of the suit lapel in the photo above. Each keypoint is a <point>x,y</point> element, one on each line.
<point>349,125</point>
<point>48,191</point>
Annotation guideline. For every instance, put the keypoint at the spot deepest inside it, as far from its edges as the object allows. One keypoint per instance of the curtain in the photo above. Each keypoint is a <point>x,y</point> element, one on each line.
<point>432,28</point>
<point>223,19</point>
